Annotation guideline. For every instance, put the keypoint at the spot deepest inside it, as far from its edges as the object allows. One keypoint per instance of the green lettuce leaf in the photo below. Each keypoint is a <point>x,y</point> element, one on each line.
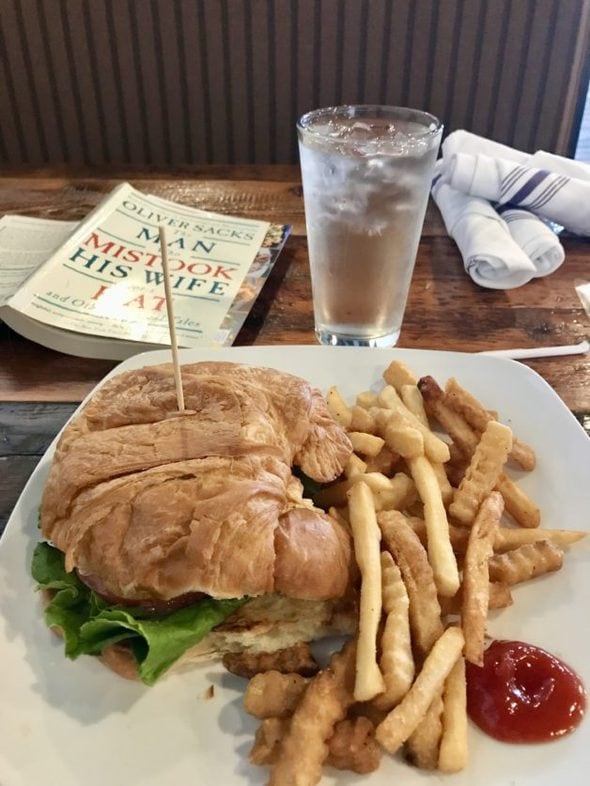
<point>310,487</point>
<point>156,644</point>
<point>89,624</point>
<point>70,606</point>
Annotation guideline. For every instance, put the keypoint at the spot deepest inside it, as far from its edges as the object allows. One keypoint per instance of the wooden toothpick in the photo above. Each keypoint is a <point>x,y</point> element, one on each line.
<point>171,323</point>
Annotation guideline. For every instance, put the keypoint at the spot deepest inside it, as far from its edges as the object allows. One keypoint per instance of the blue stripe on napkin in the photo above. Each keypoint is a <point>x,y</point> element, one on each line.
<point>529,186</point>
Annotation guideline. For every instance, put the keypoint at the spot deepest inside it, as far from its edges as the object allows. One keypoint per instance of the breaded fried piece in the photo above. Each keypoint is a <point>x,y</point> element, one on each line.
<point>304,748</point>
<point>353,746</point>
<point>292,660</point>
<point>274,695</point>
<point>266,742</point>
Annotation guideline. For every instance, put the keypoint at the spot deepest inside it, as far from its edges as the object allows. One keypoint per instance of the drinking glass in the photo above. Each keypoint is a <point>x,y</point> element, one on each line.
<point>366,173</point>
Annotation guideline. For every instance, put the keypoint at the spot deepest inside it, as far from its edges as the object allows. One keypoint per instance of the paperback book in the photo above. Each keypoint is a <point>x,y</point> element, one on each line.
<point>96,288</point>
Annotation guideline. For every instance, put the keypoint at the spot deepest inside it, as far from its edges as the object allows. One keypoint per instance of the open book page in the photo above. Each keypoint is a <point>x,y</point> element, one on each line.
<point>107,279</point>
<point>25,243</point>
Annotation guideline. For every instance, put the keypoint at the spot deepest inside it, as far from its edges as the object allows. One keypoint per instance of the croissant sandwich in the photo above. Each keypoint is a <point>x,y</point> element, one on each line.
<point>168,538</point>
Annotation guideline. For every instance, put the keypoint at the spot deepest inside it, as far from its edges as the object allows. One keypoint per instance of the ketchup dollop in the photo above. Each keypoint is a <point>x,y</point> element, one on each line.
<point>524,694</point>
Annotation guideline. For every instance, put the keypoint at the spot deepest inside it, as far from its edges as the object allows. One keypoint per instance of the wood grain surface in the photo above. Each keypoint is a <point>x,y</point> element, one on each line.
<point>445,310</point>
<point>26,432</point>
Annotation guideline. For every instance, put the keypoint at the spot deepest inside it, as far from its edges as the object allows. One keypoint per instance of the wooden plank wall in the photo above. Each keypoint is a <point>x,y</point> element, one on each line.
<point>171,82</point>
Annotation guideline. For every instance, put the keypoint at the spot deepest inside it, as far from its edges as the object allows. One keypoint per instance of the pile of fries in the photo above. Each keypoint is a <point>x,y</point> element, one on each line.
<point>441,534</point>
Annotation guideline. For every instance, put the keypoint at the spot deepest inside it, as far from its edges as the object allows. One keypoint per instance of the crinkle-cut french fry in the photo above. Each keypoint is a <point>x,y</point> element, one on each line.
<point>464,437</point>
<point>415,510</point>
<point>362,420</point>
<point>303,749</point>
<point>341,516</point>
<point>478,417</point>
<point>398,374</point>
<point>440,551</point>
<point>453,753</point>
<point>482,473</point>
<point>457,457</point>
<point>380,416</point>
<point>355,466</point>
<point>271,694</point>
<point>434,447</point>
<point>459,535</point>
<point>353,746</point>
<point>389,493</point>
<point>413,400</point>
<point>338,407</point>
<point>418,524</point>
<point>510,538</point>
<point>446,490</point>
<point>412,559</point>
<point>525,562</point>
<point>475,587</point>
<point>384,461</point>
<point>520,506</point>
<point>500,597</point>
<point>366,399</point>
<point>376,481</point>
<point>405,717</point>
<point>367,538</point>
<point>401,494</point>
<point>422,745</point>
<point>455,473</point>
<point>397,661</point>
<point>389,398</point>
<point>522,509</point>
<point>403,438</point>
<point>365,444</point>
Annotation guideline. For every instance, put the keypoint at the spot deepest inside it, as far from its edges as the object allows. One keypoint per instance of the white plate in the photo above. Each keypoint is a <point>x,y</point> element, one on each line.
<point>69,723</point>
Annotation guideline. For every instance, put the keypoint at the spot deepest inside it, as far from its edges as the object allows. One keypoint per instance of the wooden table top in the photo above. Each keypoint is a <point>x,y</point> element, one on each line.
<point>39,388</point>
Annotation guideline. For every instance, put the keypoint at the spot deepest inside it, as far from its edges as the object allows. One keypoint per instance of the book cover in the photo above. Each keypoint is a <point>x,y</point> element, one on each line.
<point>105,278</point>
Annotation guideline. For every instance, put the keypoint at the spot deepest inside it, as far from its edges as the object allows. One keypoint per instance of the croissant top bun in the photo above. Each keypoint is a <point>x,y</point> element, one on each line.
<point>148,504</point>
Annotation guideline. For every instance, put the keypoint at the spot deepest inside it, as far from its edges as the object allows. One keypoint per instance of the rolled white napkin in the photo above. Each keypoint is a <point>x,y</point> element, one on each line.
<point>554,197</point>
<point>560,165</point>
<point>490,255</point>
<point>535,238</point>
<point>466,142</point>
